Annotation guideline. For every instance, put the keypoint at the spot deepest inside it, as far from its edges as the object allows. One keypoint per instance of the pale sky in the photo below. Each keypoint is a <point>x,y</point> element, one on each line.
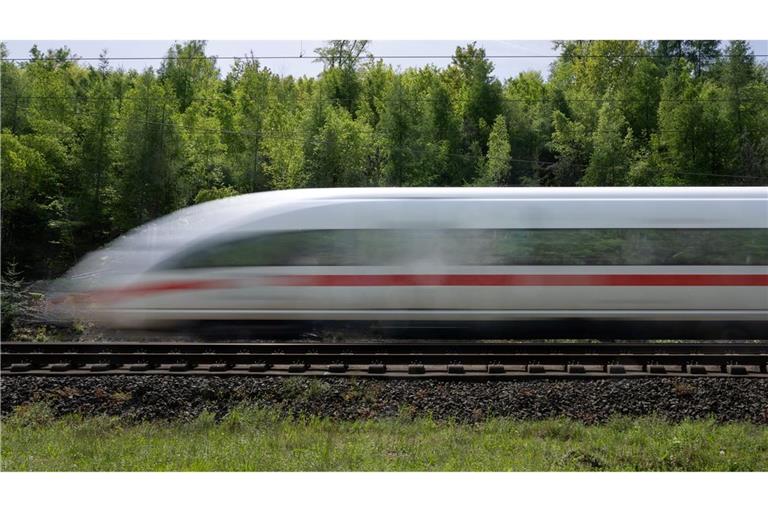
<point>504,68</point>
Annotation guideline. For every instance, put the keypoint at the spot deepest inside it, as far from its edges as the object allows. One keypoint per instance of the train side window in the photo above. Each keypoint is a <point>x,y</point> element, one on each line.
<point>607,247</point>
<point>482,247</point>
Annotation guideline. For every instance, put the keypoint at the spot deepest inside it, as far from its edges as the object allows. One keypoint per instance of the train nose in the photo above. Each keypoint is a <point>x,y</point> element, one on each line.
<point>66,301</point>
<point>60,307</point>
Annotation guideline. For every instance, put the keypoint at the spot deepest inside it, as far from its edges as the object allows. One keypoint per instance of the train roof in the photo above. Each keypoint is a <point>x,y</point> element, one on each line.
<point>214,215</point>
<point>508,193</point>
<point>723,207</point>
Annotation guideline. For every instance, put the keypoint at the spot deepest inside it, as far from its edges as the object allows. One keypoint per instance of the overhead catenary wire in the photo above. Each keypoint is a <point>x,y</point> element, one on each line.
<point>363,58</point>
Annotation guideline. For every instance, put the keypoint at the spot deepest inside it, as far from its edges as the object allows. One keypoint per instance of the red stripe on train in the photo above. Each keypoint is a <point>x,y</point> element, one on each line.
<point>380,280</point>
<point>132,291</point>
<point>520,280</point>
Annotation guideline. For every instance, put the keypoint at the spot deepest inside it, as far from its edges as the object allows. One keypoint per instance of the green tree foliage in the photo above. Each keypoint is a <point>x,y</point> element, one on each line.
<point>188,71</point>
<point>89,151</point>
<point>338,151</point>
<point>701,54</point>
<point>496,169</point>
<point>399,130</point>
<point>612,144</point>
<point>211,194</point>
<point>477,96</point>
<point>340,79</point>
<point>148,156</point>
<point>252,96</point>
<point>528,105</point>
<point>96,153</point>
<point>343,53</point>
<point>572,144</point>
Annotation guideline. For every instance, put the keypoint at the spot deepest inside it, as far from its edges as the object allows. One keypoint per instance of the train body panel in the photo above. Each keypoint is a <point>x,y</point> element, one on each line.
<point>474,256</point>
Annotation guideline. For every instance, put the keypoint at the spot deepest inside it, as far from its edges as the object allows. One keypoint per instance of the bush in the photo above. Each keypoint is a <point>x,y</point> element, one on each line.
<point>15,301</point>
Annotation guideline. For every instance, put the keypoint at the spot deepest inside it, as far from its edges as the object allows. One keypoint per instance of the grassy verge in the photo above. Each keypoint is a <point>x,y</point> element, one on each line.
<point>259,440</point>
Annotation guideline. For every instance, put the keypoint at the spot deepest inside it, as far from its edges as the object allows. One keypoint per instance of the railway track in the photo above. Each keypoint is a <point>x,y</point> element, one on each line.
<point>368,359</point>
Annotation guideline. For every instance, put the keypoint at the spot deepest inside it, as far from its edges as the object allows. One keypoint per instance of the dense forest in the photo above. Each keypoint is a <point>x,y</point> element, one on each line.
<point>90,150</point>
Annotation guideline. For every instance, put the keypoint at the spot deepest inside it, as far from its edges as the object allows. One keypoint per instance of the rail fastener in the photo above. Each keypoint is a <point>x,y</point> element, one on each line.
<point>337,368</point>
<point>101,367</point>
<point>181,367</point>
<point>536,368</point>
<point>576,368</point>
<point>696,369</point>
<point>297,368</point>
<point>496,368</point>
<point>377,368</point>
<point>736,369</point>
<point>616,369</point>
<point>140,367</point>
<point>416,369</point>
<point>22,367</point>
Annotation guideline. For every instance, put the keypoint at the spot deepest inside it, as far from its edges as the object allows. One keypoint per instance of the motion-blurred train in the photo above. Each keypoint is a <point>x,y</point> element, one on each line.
<point>442,262</point>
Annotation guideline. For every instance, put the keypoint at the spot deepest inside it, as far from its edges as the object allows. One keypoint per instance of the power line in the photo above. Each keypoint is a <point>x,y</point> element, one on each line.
<point>371,57</point>
<point>269,57</point>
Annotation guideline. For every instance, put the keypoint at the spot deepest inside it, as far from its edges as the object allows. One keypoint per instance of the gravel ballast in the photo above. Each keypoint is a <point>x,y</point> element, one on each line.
<point>588,400</point>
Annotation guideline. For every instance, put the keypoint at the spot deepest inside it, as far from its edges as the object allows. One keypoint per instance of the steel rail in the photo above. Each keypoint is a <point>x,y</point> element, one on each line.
<point>400,347</point>
<point>387,359</point>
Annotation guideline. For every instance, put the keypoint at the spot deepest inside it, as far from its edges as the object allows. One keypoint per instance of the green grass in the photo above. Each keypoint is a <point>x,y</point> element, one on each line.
<point>260,440</point>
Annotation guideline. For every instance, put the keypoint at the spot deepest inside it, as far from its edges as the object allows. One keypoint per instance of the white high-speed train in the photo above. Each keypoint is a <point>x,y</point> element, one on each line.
<point>511,262</point>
